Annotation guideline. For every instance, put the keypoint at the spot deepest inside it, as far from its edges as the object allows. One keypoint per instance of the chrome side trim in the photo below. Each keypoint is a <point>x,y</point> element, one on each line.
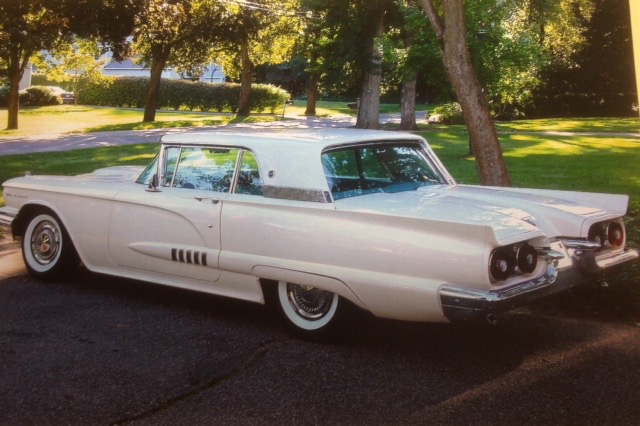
<point>296,194</point>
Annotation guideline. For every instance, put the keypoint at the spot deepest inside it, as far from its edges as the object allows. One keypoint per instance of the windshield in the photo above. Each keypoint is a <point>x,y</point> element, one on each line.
<point>362,170</point>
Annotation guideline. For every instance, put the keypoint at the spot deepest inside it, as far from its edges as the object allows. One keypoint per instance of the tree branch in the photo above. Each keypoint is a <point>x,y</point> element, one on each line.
<point>435,19</point>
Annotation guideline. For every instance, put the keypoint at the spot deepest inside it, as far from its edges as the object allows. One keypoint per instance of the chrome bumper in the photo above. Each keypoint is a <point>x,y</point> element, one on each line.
<point>580,265</point>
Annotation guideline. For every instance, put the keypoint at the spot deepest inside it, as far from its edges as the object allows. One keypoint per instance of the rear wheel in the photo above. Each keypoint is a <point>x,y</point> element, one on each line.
<point>47,249</point>
<point>308,310</point>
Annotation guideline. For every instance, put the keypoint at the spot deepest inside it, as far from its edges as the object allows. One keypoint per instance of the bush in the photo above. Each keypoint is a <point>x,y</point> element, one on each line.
<point>450,113</point>
<point>39,96</point>
<point>33,96</point>
<point>181,95</point>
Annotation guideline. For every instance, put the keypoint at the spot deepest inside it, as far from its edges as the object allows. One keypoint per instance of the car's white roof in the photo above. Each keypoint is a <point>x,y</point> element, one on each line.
<point>316,138</point>
<point>291,157</point>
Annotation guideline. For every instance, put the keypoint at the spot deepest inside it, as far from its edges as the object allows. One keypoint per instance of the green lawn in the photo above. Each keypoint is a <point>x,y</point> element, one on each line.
<point>327,109</point>
<point>81,119</point>
<point>581,125</point>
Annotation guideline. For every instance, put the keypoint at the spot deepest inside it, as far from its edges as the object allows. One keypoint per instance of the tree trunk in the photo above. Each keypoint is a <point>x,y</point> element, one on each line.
<point>408,104</point>
<point>16,71</point>
<point>369,108</point>
<point>451,33</point>
<point>312,96</point>
<point>244,104</point>
<point>158,62</point>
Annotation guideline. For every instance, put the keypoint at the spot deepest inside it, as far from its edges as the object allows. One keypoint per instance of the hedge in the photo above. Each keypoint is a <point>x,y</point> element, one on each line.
<point>180,95</point>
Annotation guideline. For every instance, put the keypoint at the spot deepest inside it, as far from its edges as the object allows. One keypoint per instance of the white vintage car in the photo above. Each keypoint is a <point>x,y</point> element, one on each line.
<point>312,221</point>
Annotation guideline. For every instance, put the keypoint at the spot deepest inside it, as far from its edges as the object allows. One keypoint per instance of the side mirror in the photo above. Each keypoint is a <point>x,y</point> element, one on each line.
<point>154,184</point>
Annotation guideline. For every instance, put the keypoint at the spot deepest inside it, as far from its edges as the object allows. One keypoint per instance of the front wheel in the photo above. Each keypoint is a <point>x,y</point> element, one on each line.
<point>47,249</point>
<point>309,310</point>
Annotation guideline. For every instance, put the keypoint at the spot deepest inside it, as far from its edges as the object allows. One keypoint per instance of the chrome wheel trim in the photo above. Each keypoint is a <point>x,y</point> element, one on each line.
<point>307,307</point>
<point>43,243</point>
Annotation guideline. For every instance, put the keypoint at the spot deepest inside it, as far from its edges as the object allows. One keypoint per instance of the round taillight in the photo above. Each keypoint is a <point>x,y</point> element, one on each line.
<point>615,234</point>
<point>527,258</point>
<point>501,265</point>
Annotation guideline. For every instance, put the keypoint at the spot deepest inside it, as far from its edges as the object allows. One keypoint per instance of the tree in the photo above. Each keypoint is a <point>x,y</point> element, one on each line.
<point>258,33</point>
<point>369,107</point>
<point>27,27</point>
<point>176,32</point>
<point>450,28</point>
<point>74,62</point>
<point>345,42</point>
<point>30,26</point>
<point>598,79</point>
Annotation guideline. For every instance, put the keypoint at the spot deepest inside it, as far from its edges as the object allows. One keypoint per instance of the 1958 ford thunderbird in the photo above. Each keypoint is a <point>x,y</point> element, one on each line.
<point>313,221</point>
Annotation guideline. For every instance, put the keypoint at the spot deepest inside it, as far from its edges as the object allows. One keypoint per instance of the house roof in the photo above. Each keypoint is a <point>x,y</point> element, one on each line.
<point>126,64</point>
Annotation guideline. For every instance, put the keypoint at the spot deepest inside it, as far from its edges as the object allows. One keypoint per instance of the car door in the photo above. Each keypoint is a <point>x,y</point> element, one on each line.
<point>175,229</point>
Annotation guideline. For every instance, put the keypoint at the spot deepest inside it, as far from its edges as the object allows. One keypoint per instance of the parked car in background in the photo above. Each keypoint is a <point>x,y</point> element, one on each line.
<point>67,97</point>
<point>314,221</point>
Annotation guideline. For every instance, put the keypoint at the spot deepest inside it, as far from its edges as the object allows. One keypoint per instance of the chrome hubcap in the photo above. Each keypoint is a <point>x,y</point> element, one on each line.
<point>45,242</point>
<point>309,302</point>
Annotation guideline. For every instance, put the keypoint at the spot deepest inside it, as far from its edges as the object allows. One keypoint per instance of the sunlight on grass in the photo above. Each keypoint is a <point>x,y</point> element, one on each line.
<point>329,109</point>
<point>608,124</point>
<point>68,119</point>
<point>136,158</point>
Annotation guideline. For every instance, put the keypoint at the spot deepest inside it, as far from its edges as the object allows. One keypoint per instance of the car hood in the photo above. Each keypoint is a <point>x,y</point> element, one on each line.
<point>509,212</point>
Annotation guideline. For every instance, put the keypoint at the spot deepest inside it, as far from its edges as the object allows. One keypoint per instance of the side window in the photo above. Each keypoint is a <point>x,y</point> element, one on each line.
<point>208,169</point>
<point>249,177</point>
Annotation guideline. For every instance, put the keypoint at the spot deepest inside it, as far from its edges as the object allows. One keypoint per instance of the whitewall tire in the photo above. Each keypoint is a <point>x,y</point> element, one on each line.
<point>47,249</point>
<point>308,309</point>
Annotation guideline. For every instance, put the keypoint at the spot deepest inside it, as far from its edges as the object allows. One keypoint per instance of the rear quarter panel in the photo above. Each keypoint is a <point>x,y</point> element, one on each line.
<point>389,265</point>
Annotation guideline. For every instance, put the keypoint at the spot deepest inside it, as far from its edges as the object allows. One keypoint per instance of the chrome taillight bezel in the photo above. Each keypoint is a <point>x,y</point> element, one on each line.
<point>512,260</point>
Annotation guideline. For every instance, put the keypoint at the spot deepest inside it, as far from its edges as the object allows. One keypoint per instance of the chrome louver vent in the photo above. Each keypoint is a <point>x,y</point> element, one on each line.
<point>189,256</point>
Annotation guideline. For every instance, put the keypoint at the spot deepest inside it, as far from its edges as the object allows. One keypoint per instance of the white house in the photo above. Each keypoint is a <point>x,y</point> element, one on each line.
<point>213,73</point>
<point>25,82</point>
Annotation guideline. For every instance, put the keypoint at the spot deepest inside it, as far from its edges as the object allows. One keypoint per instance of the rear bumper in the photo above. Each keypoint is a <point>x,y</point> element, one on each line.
<point>577,267</point>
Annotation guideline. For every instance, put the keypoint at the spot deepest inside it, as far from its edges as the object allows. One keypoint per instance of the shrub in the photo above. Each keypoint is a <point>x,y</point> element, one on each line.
<point>181,95</point>
<point>33,96</point>
<point>39,96</point>
<point>450,113</point>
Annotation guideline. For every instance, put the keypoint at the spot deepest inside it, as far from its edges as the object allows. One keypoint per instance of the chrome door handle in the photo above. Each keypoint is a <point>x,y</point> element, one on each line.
<point>213,199</point>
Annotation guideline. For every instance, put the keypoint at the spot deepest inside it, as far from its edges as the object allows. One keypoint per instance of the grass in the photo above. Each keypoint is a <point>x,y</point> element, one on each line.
<point>73,119</point>
<point>597,125</point>
<point>75,162</point>
<point>328,109</point>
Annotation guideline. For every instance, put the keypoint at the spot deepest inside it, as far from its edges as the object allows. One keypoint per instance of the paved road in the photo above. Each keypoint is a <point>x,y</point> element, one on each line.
<point>99,350</point>
<point>58,142</point>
